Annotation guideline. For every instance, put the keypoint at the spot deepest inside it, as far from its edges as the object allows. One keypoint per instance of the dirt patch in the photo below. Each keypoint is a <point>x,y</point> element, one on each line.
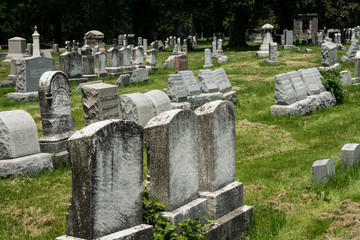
<point>348,217</point>
<point>238,88</point>
<point>277,202</point>
<point>298,63</point>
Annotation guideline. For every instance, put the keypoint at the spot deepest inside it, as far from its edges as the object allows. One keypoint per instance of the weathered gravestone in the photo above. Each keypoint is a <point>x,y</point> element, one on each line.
<point>100,102</point>
<point>328,56</point>
<point>57,121</point>
<point>345,78</point>
<point>267,38</point>
<point>312,79</point>
<point>171,143</point>
<point>161,101</point>
<point>55,49</point>
<point>357,67</point>
<point>140,75</point>
<point>191,86</point>
<point>176,89</point>
<point>123,80</point>
<point>151,60</point>
<point>47,54</point>
<point>208,59</point>
<point>351,53</point>
<point>113,61</point>
<point>100,64</point>
<point>224,85</point>
<point>181,63</point>
<point>19,145</point>
<point>323,170</point>
<point>88,62</point>
<point>284,91</point>
<point>273,60</point>
<point>298,85</point>
<point>17,49</point>
<point>206,81</point>
<point>138,57</point>
<point>136,107</point>
<point>125,60</point>
<point>350,155</point>
<point>289,39</point>
<point>216,152</point>
<point>107,169</point>
<point>71,65</point>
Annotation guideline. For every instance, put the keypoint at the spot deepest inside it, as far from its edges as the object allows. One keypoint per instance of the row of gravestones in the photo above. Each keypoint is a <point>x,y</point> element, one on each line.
<point>185,92</point>
<point>191,168</point>
<point>300,92</point>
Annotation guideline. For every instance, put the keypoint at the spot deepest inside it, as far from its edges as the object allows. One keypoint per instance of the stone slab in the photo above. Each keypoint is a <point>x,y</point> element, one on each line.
<point>78,89</point>
<point>233,225</point>
<point>284,92</point>
<point>206,81</point>
<point>190,83</point>
<point>323,170</point>
<point>143,232</point>
<point>221,80</point>
<point>23,97</point>
<point>330,68</point>
<point>199,100</point>
<point>350,155</point>
<point>298,85</point>
<point>300,108</point>
<point>182,105</point>
<point>176,88</point>
<point>323,100</point>
<point>4,84</point>
<point>161,101</point>
<point>30,164</point>
<point>231,96</point>
<point>224,200</point>
<point>194,209</point>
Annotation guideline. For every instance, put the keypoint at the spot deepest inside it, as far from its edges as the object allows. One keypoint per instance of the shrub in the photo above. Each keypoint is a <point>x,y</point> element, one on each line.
<point>332,83</point>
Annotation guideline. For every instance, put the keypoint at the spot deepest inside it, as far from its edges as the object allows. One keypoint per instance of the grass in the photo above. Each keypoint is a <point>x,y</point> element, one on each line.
<point>274,156</point>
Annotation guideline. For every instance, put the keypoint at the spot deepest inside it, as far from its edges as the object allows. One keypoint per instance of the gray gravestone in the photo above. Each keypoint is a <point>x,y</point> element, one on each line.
<point>221,80</point>
<point>206,81</point>
<point>350,155</point>
<point>354,47</point>
<point>107,179</point>
<point>298,85</point>
<point>138,57</point>
<point>208,58</point>
<point>17,49</point>
<point>140,75</point>
<point>29,71</point>
<point>71,64</point>
<point>161,101</point>
<point>284,91</point>
<point>123,80</point>
<point>171,142</point>
<point>55,108</point>
<point>311,84</point>
<point>151,60</point>
<point>345,78</point>
<point>113,61</point>
<point>176,89</point>
<point>47,54</point>
<point>312,75</point>
<point>100,102</point>
<point>136,107</point>
<point>191,86</point>
<point>100,64</point>
<point>323,170</point>
<point>328,54</point>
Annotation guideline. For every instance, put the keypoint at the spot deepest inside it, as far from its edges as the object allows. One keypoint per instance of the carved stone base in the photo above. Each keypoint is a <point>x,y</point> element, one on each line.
<point>23,96</point>
<point>330,68</point>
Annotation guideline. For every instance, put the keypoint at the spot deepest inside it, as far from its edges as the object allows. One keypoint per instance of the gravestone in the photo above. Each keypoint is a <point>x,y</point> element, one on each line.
<point>88,62</point>
<point>47,54</point>
<point>57,121</point>
<point>273,60</point>
<point>328,56</point>
<point>123,80</point>
<point>79,88</point>
<point>140,75</point>
<point>145,45</point>
<point>171,142</point>
<point>350,155</point>
<point>55,48</point>
<point>351,53</point>
<point>161,101</point>
<point>113,61</point>
<point>106,200</point>
<point>345,78</point>
<point>138,57</point>
<point>221,80</point>
<point>175,50</point>
<point>136,107</point>
<point>100,64</point>
<point>357,67</point>
<point>71,65</point>
<point>17,49</point>
<point>29,49</point>
<point>206,81</point>
<point>267,38</point>
<point>284,91</point>
<point>94,38</point>
<point>181,63</point>
<point>100,102</point>
<point>298,85</point>
<point>151,60</point>
<point>208,58</point>
<point>289,39</point>
<point>125,60</point>
<point>176,89</point>
<point>19,145</point>
<point>191,86</point>
<point>323,170</point>
<point>36,43</point>
<point>312,79</point>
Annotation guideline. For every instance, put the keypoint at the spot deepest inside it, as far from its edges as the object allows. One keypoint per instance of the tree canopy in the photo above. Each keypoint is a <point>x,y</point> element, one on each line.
<point>60,20</point>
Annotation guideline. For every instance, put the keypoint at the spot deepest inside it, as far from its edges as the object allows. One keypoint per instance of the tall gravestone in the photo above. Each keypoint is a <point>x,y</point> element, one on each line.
<point>328,56</point>
<point>208,59</point>
<point>88,62</point>
<point>113,61</point>
<point>125,60</point>
<point>351,53</point>
<point>273,53</point>
<point>106,200</point>
<point>100,102</point>
<point>267,38</point>
<point>71,65</point>
<point>181,63</point>
<point>57,121</point>
<point>100,64</point>
<point>19,145</point>
<point>151,60</point>
<point>138,57</point>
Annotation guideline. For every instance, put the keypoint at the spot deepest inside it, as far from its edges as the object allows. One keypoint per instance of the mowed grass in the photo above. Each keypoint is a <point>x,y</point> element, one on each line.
<point>274,156</point>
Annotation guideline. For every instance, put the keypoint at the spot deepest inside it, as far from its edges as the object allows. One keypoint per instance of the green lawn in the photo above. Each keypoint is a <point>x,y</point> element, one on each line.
<point>274,156</point>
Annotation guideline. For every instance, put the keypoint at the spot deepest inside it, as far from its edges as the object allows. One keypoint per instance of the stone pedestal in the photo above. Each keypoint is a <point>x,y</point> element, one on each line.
<point>17,49</point>
<point>267,38</point>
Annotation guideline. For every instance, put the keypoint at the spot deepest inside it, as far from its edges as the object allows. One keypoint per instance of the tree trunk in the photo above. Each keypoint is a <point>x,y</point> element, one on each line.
<point>238,30</point>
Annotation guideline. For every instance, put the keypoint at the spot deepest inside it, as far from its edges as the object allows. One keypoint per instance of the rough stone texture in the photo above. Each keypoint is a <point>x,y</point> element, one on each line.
<point>323,170</point>
<point>191,86</point>
<point>224,200</point>
<point>160,100</point>
<point>181,63</point>
<point>199,100</point>
<point>223,59</point>
<point>273,53</point>
<point>30,164</point>
<point>232,225</point>
<point>221,80</point>
<point>331,68</point>
<point>181,105</point>
<point>323,100</point>
<point>29,71</point>
<point>140,75</point>
<point>350,155</point>
<point>328,54</point>
<point>357,66</point>
<point>300,108</point>
<point>143,232</point>
<point>57,121</point>
<point>100,102</point>
<point>171,142</point>
<point>23,97</point>
<point>6,84</point>
<point>176,89</point>
<point>284,91</point>
<point>71,64</point>
<point>345,78</point>
<point>136,107</point>
<point>125,56</point>
<point>216,145</point>
<point>79,88</point>
<point>18,134</point>
<point>351,53</point>
<point>123,80</point>
<point>208,59</point>
<point>12,75</point>
<point>298,85</point>
<point>231,96</point>
<point>107,179</point>
<point>17,49</point>
<point>206,81</point>
<point>308,50</point>
<point>194,209</point>
<point>138,57</point>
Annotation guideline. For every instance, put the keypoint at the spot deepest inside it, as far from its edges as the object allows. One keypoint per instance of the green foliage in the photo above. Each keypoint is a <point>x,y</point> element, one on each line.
<point>332,83</point>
